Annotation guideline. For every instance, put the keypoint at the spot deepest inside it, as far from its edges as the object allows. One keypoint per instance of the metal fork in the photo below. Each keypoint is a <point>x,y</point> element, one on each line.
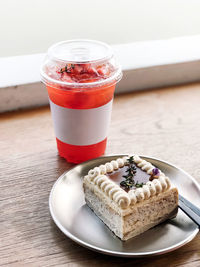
<point>190,209</point>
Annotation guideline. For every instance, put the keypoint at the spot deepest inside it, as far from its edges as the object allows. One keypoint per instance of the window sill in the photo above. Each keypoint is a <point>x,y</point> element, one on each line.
<point>145,65</point>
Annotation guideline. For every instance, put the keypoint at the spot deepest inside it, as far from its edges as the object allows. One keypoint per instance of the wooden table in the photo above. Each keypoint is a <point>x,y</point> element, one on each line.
<point>163,123</point>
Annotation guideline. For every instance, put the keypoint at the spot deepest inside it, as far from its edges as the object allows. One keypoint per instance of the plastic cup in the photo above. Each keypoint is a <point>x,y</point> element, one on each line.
<point>80,77</point>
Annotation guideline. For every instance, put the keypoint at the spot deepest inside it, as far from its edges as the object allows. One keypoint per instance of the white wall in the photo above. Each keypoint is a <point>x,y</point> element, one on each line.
<point>30,26</point>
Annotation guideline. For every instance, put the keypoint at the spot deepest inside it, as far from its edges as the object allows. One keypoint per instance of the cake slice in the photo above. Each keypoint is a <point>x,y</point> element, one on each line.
<point>130,195</point>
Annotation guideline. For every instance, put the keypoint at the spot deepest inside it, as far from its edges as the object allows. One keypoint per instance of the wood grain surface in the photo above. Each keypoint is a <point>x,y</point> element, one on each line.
<point>164,123</point>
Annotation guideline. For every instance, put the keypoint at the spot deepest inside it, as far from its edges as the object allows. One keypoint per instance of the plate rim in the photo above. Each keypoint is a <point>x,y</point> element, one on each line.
<point>117,253</point>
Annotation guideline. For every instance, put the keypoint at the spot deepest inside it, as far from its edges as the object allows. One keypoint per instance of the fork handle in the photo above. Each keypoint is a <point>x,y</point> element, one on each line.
<point>190,211</point>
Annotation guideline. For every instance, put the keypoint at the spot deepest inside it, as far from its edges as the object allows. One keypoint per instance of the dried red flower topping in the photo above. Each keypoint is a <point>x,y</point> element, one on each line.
<point>84,73</point>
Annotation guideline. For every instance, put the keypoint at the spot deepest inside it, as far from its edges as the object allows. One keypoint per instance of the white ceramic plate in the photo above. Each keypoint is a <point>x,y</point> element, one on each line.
<point>78,222</point>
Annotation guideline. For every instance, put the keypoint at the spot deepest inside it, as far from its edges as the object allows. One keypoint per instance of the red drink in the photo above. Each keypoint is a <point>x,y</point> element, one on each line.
<point>80,77</point>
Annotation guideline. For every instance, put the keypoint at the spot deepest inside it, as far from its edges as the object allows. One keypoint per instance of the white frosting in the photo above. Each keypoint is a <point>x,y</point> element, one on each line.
<point>115,164</point>
<point>125,159</point>
<point>120,162</point>
<point>139,193</point>
<point>116,193</point>
<point>132,197</point>
<point>157,186</point>
<point>102,169</point>
<point>94,172</point>
<point>145,166</point>
<point>137,159</point>
<point>167,180</point>
<point>163,183</point>
<point>112,191</point>
<point>152,188</point>
<point>146,191</point>
<point>109,167</point>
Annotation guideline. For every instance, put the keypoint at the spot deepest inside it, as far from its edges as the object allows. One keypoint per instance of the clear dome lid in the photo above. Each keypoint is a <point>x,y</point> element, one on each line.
<point>80,63</point>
